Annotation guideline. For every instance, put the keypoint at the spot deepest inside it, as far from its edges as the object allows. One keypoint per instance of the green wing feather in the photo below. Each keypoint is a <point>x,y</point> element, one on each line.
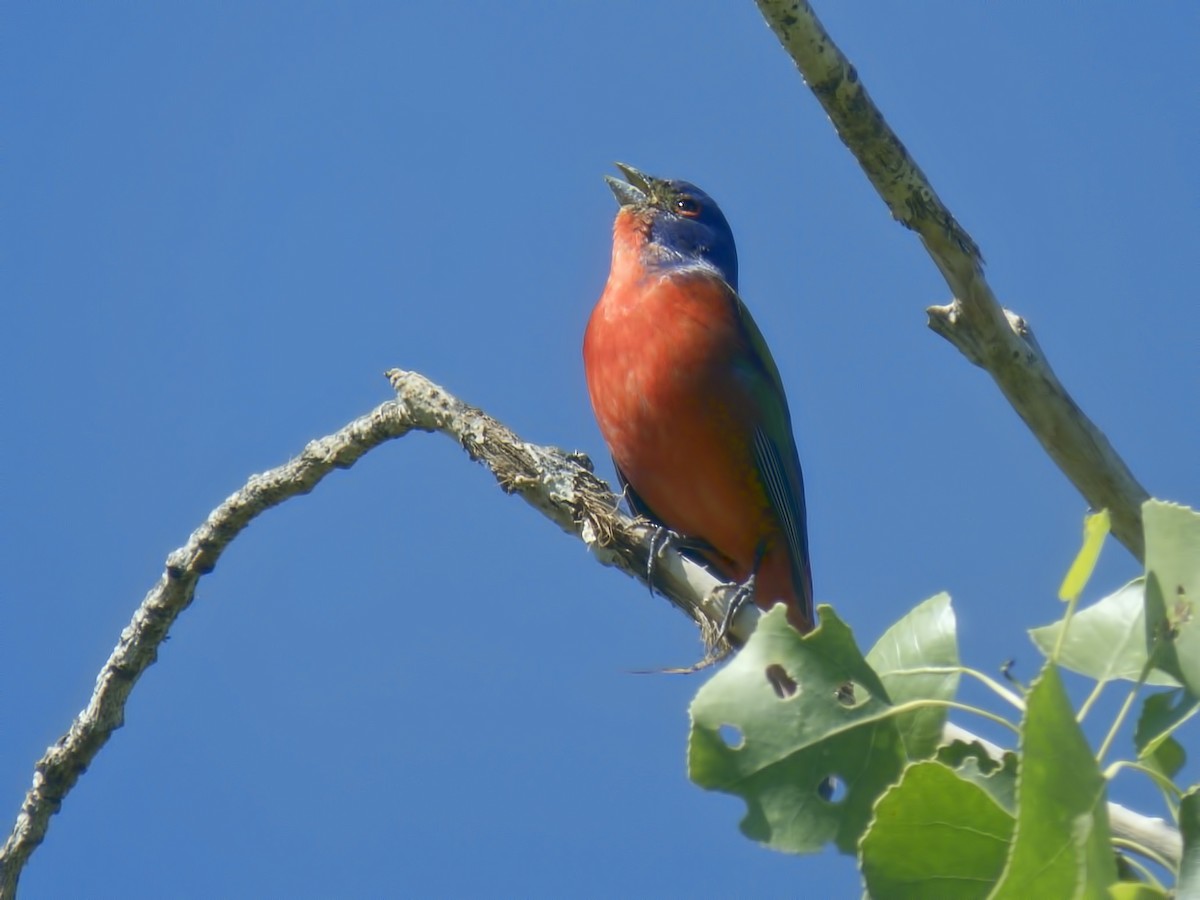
<point>776,456</point>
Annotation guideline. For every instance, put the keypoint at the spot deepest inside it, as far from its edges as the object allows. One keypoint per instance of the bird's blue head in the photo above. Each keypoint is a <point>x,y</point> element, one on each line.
<point>685,224</point>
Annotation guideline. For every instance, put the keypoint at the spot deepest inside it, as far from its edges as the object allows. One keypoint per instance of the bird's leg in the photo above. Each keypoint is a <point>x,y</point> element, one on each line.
<point>743,593</point>
<point>663,537</point>
<point>660,533</point>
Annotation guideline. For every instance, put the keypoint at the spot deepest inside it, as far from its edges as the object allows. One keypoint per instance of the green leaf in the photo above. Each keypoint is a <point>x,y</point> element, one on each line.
<point>1167,757</point>
<point>923,639</point>
<point>1095,530</point>
<point>1161,714</point>
<point>1130,890</point>
<point>1188,884</point>
<point>806,709</point>
<point>1173,589</point>
<point>1107,640</point>
<point>1062,847</point>
<point>973,763</point>
<point>935,835</point>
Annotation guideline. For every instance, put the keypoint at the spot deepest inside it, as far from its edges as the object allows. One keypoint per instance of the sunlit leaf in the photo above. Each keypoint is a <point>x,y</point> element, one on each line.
<point>1062,845</point>
<point>1107,640</point>
<point>1130,890</point>
<point>923,639</point>
<point>1173,589</point>
<point>1188,884</point>
<point>935,835</point>
<point>1095,529</point>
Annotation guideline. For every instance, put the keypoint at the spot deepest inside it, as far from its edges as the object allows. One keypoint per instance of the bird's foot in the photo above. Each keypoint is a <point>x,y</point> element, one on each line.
<point>742,594</point>
<point>663,537</point>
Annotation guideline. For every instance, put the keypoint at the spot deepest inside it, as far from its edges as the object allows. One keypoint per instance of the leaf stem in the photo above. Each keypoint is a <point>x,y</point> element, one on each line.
<point>1164,783</point>
<point>1003,692</point>
<point>1091,700</point>
<point>1062,632</point>
<point>1119,720</point>
<point>1142,870</point>
<point>954,704</point>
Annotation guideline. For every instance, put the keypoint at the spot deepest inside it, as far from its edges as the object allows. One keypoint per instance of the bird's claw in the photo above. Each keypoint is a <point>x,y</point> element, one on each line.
<point>663,537</point>
<point>742,594</point>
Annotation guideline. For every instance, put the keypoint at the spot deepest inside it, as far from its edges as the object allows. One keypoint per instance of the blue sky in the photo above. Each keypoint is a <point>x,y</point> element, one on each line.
<point>224,221</point>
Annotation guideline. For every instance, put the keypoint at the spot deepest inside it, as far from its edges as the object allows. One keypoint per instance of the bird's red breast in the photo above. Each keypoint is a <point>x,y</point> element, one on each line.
<point>665,355</point>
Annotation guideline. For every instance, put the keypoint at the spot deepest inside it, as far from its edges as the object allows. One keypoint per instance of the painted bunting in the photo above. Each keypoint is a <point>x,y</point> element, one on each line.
<point>688,397</point>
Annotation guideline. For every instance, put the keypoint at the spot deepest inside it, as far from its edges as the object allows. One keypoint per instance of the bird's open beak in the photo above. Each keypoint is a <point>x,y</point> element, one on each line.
<point>634,190</point>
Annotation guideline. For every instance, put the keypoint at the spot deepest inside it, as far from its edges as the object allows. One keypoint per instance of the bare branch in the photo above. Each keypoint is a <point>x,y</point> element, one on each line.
<point>989,336</point>
<point>58,770</point>
<point>560,485</point>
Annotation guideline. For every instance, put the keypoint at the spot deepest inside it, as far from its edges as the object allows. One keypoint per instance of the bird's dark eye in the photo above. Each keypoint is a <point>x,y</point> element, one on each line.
<point>686,206</point>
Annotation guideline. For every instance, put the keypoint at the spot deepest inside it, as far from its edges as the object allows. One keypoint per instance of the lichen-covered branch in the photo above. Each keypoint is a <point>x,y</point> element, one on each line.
<point>974,322</point>
<point>58,770</point>
<point>561,485</point>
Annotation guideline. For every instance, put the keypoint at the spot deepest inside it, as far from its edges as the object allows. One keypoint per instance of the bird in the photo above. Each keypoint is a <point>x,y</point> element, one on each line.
<point>688,398</point>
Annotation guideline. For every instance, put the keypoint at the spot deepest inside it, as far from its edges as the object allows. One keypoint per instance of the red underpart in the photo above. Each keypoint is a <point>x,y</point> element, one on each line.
<point>662,352</point>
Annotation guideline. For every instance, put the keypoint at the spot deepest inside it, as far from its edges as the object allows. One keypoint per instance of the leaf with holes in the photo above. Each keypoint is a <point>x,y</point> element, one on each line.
<point>1107,640</point>
<point>935,835</point>
<point>917,659</point>
<point>816,741</point>
<point>1173,589</point>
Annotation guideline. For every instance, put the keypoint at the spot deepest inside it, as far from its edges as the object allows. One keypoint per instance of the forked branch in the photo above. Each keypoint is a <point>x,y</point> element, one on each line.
<point>991,337</point>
